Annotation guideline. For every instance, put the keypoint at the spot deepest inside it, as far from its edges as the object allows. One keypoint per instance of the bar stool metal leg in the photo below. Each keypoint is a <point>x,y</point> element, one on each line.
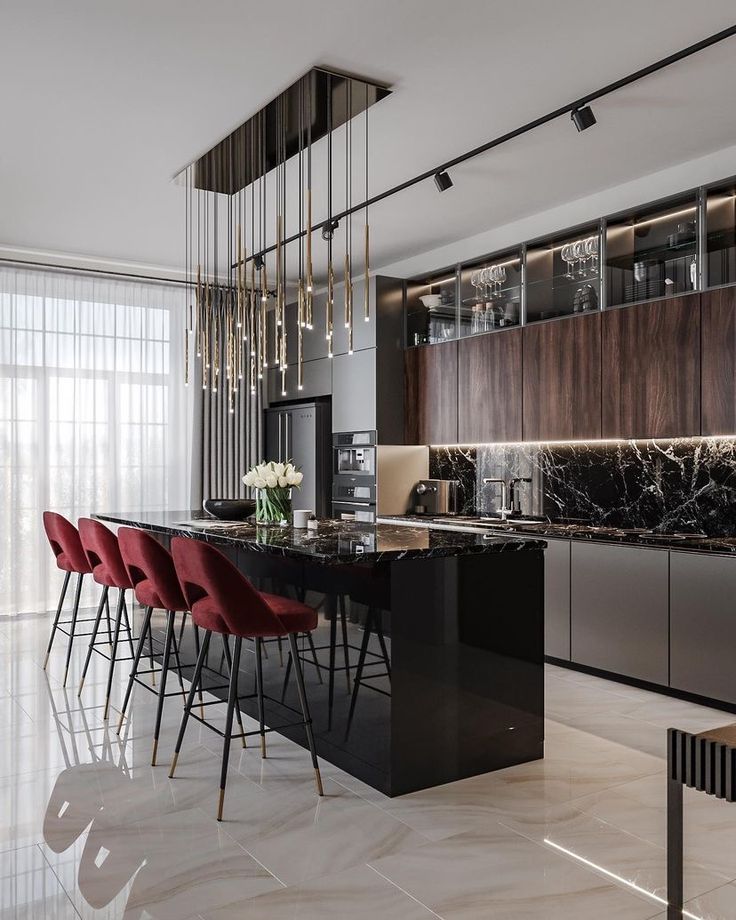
<point>382,642</point>
<point>229,659</point>
<point>67,576</point>
<point>162,687</point>
<point>344,628</point>
<point>305,710</point>
<point>359,670</point>
<point>73,626</point>
<point>113,656</point>
<point>197,649</point>
<point>93,637</point>
<point>259,691</point>
<point>175,650</point>
<point>109,621</point>
<point>136,662</point>
<point>232,705</point>
<point>128,628</point>
<point>196,680</point>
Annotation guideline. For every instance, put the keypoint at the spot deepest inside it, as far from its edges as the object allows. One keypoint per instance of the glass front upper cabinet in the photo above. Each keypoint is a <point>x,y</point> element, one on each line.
<point>563,275</point>
<point>720,241</point>
<point>431,308</point>
<point>490,293</point>
<point>652,253</point>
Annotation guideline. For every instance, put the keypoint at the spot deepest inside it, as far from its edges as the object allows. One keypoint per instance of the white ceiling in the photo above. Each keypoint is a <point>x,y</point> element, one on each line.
<point>104,101</point>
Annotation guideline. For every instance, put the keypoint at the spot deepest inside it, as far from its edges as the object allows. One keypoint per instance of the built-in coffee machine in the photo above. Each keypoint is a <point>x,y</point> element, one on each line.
<point>354,475</point>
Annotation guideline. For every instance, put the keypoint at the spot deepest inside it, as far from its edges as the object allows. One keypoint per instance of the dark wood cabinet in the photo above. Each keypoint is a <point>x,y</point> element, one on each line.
<point>489,387</point>
<point>651,369</point>
<point>562,379</point>
<point>718,339</point>
<point>430,393</point>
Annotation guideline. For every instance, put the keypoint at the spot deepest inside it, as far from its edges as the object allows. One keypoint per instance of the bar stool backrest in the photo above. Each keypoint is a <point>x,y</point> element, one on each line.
<point>65,543</point>
<point>103,553</point>
<point>219,596</point>
<point>150,569</point>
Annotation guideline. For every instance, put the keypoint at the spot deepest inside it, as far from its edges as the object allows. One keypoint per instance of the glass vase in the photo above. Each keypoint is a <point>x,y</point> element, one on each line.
<point>273,506</point>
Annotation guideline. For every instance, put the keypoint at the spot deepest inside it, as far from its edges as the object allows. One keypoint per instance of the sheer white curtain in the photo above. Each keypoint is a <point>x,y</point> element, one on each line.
<point>94,414</point>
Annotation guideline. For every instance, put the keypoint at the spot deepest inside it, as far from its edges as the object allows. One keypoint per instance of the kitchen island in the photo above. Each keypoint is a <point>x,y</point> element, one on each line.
<point>448,626</point>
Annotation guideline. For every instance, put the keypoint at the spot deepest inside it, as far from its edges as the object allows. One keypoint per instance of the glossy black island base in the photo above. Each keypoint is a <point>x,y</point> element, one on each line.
<point>449,627</point>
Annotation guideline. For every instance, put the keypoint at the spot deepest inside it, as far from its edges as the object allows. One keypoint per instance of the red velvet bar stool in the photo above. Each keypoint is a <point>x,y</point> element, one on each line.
<point>222,600</point>
<point>108,570</point>
<point>156,587</point>
<point>71,559</point>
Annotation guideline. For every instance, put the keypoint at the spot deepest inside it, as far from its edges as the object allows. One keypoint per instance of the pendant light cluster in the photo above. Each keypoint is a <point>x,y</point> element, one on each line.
<point>250,250</point>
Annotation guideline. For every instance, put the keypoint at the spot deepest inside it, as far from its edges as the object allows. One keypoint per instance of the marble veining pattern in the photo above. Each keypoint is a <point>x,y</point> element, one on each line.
<point>335,542</point>
<point>682,485</point>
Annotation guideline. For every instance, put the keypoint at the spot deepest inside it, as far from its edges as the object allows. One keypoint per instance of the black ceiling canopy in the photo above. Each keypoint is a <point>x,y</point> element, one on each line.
<point>305,112</point>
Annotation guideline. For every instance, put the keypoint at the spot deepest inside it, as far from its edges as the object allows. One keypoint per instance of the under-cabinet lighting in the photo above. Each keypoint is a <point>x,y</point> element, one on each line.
<point>652,220</point>
<point>592,442</point>
<point>431,284</point>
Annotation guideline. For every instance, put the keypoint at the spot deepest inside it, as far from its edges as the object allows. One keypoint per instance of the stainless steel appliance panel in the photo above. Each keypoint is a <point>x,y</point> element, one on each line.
<point>437,496</point>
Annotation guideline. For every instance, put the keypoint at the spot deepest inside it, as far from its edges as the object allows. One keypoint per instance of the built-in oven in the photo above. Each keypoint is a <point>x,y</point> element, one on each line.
<point>353,511</point>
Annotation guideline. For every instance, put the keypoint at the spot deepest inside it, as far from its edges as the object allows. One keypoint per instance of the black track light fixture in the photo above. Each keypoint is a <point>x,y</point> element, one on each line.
<point>583,117</point>
<point>328,229</point>
<point>442,180</point>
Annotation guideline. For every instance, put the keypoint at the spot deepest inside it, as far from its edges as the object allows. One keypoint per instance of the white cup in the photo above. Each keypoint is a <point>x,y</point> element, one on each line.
<point>300,518</point>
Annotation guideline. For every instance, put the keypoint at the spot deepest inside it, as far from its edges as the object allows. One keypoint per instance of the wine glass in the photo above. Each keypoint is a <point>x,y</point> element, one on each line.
<point>591,250</point>
<point>578,251</point>
<point>568,258</point>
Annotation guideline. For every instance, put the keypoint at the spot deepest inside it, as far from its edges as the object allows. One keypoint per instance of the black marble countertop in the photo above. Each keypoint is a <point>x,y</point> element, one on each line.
<point>691,542</point>
<point>333,542</point>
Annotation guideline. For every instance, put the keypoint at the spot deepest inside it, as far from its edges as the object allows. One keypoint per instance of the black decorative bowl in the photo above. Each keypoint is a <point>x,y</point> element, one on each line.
<point>230,509</point>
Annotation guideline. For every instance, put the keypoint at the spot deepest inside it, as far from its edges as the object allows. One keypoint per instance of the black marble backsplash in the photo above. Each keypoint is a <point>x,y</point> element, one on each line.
<point>683,485</point>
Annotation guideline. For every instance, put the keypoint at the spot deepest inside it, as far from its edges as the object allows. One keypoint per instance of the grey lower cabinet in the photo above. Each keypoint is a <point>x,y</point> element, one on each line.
<point>619,610</point>
<point>557,599</point>
<point>703,625</point>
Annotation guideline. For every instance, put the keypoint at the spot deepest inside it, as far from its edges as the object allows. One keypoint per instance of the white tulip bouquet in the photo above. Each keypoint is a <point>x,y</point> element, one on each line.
<point>273,483</point>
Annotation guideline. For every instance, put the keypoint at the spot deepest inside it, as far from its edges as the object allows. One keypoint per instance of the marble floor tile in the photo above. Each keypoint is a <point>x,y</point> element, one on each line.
<point>715,905</point>
<point>633,861</point>
<point>170,866</point>
<point>578,834</point>
<point>495,873</point>
<point>30,890</point>
<point>639,807</point>
<point>303,836</point>
<point>359,893</point>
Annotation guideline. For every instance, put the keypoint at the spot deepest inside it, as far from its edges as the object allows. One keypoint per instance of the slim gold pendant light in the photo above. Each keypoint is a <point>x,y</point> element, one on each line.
<point>228,327</point>
<point>366,255</point>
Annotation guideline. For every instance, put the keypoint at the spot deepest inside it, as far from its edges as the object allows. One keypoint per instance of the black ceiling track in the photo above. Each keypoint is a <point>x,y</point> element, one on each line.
<point>566,109</point>
<point>257,146</point>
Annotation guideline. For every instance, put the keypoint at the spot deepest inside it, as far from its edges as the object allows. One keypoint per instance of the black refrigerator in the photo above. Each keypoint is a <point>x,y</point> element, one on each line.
<point>301,432</point>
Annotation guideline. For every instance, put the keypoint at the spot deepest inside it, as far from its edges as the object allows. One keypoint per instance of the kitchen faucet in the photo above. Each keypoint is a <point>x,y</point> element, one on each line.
<point>503,511</point>
<point>510,500</point>
<point>514,498</point>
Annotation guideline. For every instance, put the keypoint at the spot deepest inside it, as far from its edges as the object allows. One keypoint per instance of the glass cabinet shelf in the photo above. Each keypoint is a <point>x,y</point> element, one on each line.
<point>720,235</point>
<point>490,294</point>
<point>675,246</point>
<point>431,308</point>
<point>563,275</point>
<point>652,253</point>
